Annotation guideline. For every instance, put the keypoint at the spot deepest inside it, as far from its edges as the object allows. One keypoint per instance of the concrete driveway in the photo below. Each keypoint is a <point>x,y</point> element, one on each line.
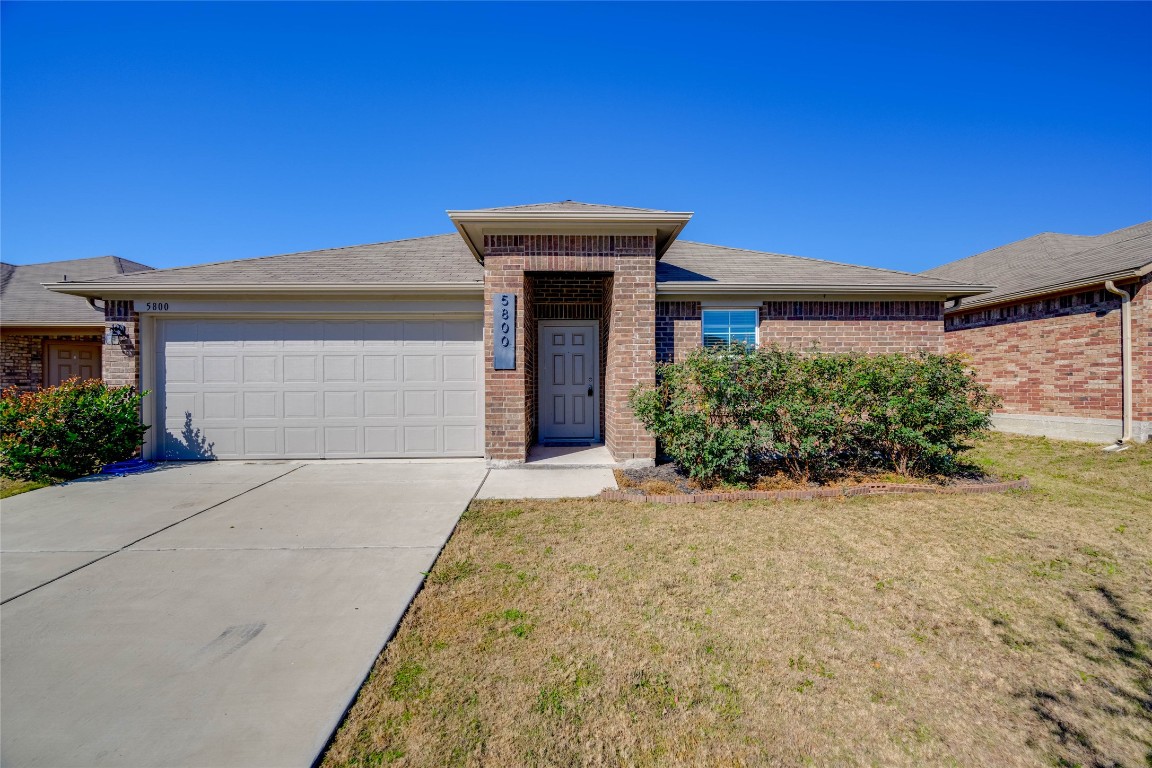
<point>214,614</point>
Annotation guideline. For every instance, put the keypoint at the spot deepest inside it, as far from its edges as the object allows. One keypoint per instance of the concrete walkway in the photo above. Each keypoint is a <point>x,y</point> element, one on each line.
<point>546,483</point>
<point>218,614</point>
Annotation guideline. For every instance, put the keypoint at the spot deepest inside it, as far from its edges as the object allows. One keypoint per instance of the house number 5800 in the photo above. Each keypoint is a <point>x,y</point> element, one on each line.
<point>504,331</point>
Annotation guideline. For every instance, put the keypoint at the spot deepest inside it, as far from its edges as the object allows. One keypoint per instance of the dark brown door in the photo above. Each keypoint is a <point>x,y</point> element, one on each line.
<point>68,359</point>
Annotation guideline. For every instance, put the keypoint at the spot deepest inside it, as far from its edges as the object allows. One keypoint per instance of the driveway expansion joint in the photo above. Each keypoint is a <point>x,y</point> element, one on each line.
<point>142,538</point>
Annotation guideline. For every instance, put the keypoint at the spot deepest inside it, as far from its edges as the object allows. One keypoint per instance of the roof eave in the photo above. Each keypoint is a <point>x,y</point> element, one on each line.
<point>471,224</point>
<point>122,290</point>
<point>1067,285</point>
<point>780,289</point>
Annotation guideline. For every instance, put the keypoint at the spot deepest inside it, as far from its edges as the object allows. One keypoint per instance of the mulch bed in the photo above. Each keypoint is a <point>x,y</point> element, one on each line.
<point>688,493</point>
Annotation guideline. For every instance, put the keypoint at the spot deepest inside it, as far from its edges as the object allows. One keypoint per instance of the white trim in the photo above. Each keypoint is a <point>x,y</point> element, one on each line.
<point>261,308</point>
<point>594,325</point>
<point>127,290</point>
<point>698,289</point>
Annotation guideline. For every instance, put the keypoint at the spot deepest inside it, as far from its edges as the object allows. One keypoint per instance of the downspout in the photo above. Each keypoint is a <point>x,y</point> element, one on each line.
<point>1125,356</point>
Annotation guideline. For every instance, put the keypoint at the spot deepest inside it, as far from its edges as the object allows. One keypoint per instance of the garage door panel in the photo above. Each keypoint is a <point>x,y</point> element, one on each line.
<point>341,405</point>
<point>383,333</point>
<point>340,368</point>
<point>461,404</point>
<point>301,369</point>
<point>262,442</point>
<point>308,389</point>
<point>220,405</point>
<point>461,439</point>
<point>343,334</point>
<point>461,367</point>
<point>260,369</point>
<point>303,442</point>
<point>381,404</point>
<point>182,370</point>
<point>219,369</point>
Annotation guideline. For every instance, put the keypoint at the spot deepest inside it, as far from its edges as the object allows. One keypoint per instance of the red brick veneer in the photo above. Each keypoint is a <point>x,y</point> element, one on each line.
<point>631,333</point>
<point>830,326</point>
<point>1057,354</point>
<point>121,362</point>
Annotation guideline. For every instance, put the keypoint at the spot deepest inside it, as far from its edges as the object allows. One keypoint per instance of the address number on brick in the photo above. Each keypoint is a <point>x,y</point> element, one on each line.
<point>504,332</point>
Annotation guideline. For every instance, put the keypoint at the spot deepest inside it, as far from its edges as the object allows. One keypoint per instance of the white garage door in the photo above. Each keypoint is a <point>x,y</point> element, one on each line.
<point>265,389</point>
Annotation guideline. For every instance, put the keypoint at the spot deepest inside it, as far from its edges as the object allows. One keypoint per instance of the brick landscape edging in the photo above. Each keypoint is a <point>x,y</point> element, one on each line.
<point>870,489</point>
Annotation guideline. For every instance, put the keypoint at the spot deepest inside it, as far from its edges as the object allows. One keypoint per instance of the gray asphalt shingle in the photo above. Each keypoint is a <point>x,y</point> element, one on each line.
<point>1047,261</point>
<point>446,259</point>
<point>24,301</point>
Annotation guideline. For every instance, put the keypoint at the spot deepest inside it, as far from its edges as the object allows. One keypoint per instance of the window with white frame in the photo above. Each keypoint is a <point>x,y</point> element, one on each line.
<point>724,327</point>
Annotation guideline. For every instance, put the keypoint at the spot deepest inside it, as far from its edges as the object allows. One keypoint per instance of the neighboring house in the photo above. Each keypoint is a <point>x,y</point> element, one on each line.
<point>1050,337</point>
<point>48,337</point>
<point>528,325</point>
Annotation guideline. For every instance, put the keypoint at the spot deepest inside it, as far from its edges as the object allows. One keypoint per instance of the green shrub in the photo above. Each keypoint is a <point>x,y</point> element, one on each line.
<point>919,412</point>
<point>63,432</point>
<point>705,411</point>
<point>723,412</point>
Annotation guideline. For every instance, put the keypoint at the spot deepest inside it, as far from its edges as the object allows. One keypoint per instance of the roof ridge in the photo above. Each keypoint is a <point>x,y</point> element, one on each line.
<point>279,255</point>
<point>821,261</point>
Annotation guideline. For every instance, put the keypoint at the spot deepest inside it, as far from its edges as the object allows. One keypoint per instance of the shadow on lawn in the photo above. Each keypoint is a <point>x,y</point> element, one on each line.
<point>1121,691</point>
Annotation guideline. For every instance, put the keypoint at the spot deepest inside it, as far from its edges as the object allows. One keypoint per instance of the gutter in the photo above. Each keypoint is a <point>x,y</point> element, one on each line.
<point>116,290</point>
<point>695,288</point>
<point>1126,353</point>
<point>1008,298</point>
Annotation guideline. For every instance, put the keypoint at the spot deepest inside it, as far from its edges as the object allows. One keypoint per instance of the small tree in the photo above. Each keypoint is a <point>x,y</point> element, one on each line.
<point>70,430</point>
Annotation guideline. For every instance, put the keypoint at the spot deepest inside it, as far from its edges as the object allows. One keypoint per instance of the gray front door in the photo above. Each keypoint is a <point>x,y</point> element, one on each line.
<point>569,380</point>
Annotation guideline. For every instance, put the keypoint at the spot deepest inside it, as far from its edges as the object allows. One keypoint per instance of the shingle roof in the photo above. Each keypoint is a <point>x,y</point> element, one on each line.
<point>434,259</point>
<point>1048,261</point>
<point>446,260</point>
<point>569,206</point>
<point>24,301</point>
<point>688,262</point>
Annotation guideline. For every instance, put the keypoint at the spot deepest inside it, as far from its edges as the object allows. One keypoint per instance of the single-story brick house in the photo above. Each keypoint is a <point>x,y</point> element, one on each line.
<point>527,325</point>
<point>46,337</point>
<point>1066,335</point>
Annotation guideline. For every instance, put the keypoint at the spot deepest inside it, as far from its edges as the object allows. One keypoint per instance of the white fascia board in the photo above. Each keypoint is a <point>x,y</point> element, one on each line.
<point>118,290</point>
<point>809,289</point>
<point>1071,285</point>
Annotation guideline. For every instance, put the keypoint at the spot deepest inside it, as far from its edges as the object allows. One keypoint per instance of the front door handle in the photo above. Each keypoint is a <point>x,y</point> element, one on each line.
<point>589,391</point>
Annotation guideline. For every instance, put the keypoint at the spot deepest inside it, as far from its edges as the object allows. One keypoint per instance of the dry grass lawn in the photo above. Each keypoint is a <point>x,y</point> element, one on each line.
<point>998,630</point>
<point>9,487</point>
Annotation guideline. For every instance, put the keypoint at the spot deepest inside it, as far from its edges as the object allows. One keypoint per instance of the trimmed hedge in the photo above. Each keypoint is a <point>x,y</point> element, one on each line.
<point>67,431</point>
<point>724,412</point>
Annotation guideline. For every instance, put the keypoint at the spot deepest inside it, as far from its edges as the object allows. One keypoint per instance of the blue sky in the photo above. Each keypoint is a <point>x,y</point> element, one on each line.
<point>895,135</point>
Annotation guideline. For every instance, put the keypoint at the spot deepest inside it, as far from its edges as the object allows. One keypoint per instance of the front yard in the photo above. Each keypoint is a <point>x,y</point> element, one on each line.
<point>905,630</point>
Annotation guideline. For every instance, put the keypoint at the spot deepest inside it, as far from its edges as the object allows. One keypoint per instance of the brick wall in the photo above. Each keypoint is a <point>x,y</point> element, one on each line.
<point>678,329</point>
<point>627,299</point>
<point>1142,349</point>
<point>831,326</point>
<point>121,362</point>
<point>873,327</point>
<point>1059,354</point>
<point>22,357</point>
<point>564,296</point>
